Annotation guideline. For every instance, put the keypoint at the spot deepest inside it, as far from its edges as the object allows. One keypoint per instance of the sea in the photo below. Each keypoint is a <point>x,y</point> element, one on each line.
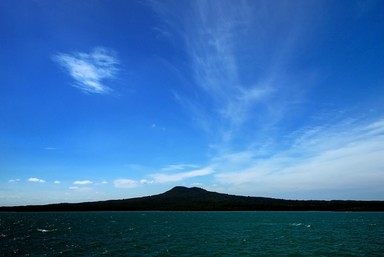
<point>192,234</point>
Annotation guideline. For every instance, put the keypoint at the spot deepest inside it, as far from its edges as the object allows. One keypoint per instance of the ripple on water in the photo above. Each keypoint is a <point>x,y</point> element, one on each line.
<point>192,234</point>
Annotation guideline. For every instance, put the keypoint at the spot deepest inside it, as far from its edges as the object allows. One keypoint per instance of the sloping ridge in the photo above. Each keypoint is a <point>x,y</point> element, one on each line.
<point>198,199</point>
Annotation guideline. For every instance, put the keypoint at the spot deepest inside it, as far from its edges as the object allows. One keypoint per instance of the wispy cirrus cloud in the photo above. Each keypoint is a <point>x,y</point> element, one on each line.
<point>36,180</point>
<point>125,183</point>
<point>180,176</point>
<point>90,70</point>
<point>169,174</point>
<point>255,95</point>
<point>340,158</point>
<point>82,182</point>
<point>174,167</point>
<point>236,53</point>
<point>80,189</point>
<point>49,148</point>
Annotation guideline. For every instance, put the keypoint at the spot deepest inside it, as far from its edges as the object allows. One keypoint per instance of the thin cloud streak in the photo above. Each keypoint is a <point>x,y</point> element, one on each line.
<point>219,37</point>
<point>49,148</point>
<point>164,178</point>
<point>89,70</point>
<point>325,160</point>
<point>80,189</point>
<point>180,176</point>
<point>174,167</point>
<point>125,183</point>
<point>82,182</point>
<point>212,41</point>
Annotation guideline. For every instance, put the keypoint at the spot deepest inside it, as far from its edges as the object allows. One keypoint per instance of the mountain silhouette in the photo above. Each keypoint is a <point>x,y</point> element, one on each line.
<point>197,199</point>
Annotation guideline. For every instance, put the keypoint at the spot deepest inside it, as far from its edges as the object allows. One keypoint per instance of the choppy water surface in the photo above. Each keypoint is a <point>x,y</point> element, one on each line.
<point>192,234</point>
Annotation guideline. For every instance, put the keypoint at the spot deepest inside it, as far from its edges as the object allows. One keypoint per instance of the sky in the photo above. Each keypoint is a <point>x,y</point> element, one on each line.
<point>118,99</point>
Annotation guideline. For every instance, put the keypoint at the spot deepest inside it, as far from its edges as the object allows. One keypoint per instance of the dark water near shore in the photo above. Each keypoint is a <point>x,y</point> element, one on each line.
<point>192,234</point>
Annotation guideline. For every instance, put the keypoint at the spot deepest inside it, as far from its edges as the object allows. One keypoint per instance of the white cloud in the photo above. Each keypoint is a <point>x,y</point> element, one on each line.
<point>82,182</point>
<point>125,183</point>
<point>146,181</point>
<point>89,70</point>
<point>80,189</point>
<point>36,180</point>
<point>103,182</point>
<point>336,158</point>
<point>13,180</point>
<point>174,167</point>
<point>250,95</point>
<point>56,182</point>
<point>169,178</point>
<point>160,178</point>
<point>212,45</point>
<point>219,40</point>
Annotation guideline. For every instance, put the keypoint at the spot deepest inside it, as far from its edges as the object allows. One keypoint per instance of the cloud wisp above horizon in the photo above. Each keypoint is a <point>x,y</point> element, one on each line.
<point>335,160</point>
<point>170,174</point>
<point>89,70</point>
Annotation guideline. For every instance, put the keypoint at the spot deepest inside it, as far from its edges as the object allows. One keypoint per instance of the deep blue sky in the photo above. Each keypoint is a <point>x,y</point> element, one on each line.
<point>115,99</point>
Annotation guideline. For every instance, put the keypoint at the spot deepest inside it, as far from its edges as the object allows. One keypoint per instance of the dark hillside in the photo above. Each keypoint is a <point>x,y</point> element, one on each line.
<point>198,199</point>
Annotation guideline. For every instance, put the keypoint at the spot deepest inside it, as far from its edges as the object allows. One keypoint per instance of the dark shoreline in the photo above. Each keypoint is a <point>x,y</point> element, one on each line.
<point>197,199</point>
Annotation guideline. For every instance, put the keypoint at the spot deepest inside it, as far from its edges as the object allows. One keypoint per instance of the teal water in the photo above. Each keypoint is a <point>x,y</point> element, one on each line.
<point>192,234</point>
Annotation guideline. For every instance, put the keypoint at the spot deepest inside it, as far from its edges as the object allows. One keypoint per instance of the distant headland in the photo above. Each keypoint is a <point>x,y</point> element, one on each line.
<point>197,199</point>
